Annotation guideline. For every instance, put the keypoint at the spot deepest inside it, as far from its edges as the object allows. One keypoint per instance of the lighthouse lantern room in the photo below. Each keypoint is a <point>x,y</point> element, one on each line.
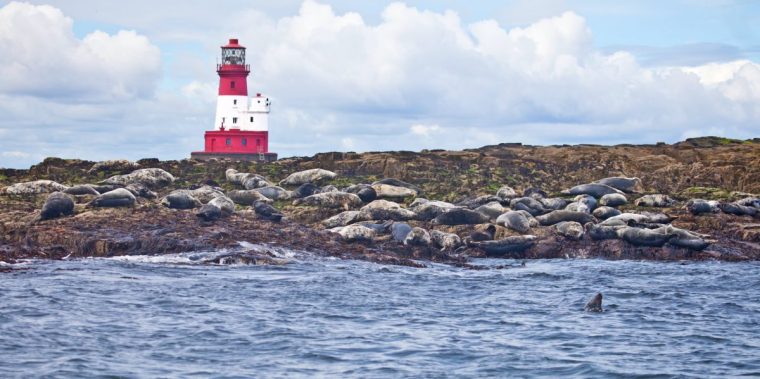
<point>241,124</point>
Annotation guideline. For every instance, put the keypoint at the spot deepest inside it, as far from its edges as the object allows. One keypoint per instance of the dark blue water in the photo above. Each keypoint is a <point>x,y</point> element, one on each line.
<point>161,317</point>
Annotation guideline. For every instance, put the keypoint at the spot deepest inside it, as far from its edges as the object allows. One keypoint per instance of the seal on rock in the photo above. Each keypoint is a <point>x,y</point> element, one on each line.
<point>595,304</point>
<point>445,241</point>
<point>206,193</point>
<point>508,245</point>
<point>364,191</point>
<point>274,192</point>
<point>119,197</point>
<point>643,237</point>
<point>353,233</point>
<point>331,200</point>
<point>592,189</point>
<point>81,189</point>
<point>248,181</point>
<point>656,200</point>
<point>180,199</point>
<point>570,229</point>
<point>314,175</point>
<point>56,205</point>
<point>515,220</point>
<point>151,177</point>
<point>554,203</point>
<point>738,210</point>
<point>398,183</point>
<point>535,193</point>
<point>266,211</point>
<point>483,235</point>
<point>216,208</point>
<point>506,193</point>
<point>613,200</point>
<point>683,238</point>
<point>399,231</point>
<point>491,210</point>
<point>628,185</point>
<point>460,216</point>
<point>529,204</point>
<point>555,217</point>
<point>427,210</point>
<point>341,219</point>
<point>122,165</point>
<point>417,237</point>
<point>387,191</point>
<point>306,189</point>
<point>140,190</point>
<point>602,232</point>
<point>247,197</point>
<point>699,206</point>
<point>34,187</point>
<point>385,210</point>
<point>605,212</point>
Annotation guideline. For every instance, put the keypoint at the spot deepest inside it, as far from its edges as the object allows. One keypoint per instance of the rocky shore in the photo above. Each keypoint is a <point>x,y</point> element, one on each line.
<point>692,200</point>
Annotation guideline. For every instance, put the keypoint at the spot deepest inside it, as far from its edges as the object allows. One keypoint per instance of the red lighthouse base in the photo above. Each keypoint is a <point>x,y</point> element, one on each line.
<point>237,145</point>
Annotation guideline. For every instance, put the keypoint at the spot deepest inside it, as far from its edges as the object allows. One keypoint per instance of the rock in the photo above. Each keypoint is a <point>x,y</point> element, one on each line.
<point>247,197</point>
<point>570,229</point>
<point>151,177</point>
<point>427,210</point>
<point>445,241</point>
<point>353,233</point>
<point>274,193</point>
<point>399,231</point>
<point>491,210</point>
<point>119,197</point>
<point>180,199</point>
<point>628,185</point>
<point>341,219</point>
<point>331,200</point>
<point>122,165</point>
<point>267,212</point>
<point>417,237</point>
<point>506,193</point>
<point>657,200</point>
<point>528,204</point>
<point>81,189</point>
<point>304,190</point>
<point>508,245</point>
<point>364,191</point>
<point>314,175</point>
<point>57,204</point>
<point>514,220</point>
<point>738,210</point>
<point>398,183</point>
<point>605,212</point>
<point>555,217</point>
<point>140,190</point>
<point>592,189</point>
<point>555,203</point>
<point>643,237</point>
<point>595,304</point>
<point>387,191</point>
<point>699,206</point>
<point>460,216</point>
<point>613,200</point>
<point>385,210</point>
<point>34,187</point>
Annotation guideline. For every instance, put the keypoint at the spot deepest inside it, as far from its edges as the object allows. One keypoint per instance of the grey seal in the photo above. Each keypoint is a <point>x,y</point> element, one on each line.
<point>570,230</point>
<point>56,205</point>
<point>592,189</point>
<point>613,200</point>
<point>180,199</point>
<point>460,216</point>
<point>629,185</point>
<point>508,245</point>
<point>314,175</point>
<point>555,217</point>
<point>119,197</point>
<point>417,237</point>
<point>515,220</point>
<point>266,211</point>
<point>595,304</point>
<point>364,191</point>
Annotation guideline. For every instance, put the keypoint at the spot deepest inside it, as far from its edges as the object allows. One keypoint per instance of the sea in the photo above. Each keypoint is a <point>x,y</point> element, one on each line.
<point>173,316</point>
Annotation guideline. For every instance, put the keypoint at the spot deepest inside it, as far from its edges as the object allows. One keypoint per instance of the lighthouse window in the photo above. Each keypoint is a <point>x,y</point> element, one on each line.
<point>234,101</point>
<point>229,141</point>
<point>232,84</point>
<point>245,141</point>
<point>251,118</point>
<point>234,120</point>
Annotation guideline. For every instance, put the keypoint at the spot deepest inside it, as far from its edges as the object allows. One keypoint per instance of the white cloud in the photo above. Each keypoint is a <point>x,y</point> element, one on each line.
<point>15,154</point>
<point>424,130</point>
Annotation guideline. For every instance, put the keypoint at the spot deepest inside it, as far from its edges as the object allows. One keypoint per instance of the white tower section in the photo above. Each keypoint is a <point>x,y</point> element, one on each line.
<point>240,112</point>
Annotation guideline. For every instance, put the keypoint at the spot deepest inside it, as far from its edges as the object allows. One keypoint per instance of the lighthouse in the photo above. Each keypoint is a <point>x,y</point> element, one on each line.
<point>241,124</point>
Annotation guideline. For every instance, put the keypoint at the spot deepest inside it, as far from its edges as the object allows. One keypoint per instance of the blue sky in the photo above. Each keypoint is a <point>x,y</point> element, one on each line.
<point>113,79</point>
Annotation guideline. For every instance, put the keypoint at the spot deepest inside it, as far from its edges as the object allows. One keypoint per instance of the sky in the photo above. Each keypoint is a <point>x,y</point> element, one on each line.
<point>136,79</point>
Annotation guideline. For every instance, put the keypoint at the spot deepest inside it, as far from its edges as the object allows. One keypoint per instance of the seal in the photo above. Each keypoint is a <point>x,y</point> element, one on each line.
<point>314,175</point>
<point>491,210</point>
<point>399,231</point>
<point>56,205</point>
<point>34,187</point>
<point>246,180</point>
<point>121,165</point>
<point>209,212</point>
<point>750,201</point>
<point>613,200</point>
<point>266,211</point>
<point>417,237</point>
<point>592,189</point>
<point>140,190</point>
<point>643,237</point>
<point>570,230</point>
<point>445,241</point>
<point>341,219</point>
<point>81,189</point>
<point>595,304</point>
<point>153,178</point>
<point>225,204</point>
<point>535,193</point>
<point>508,245</point>
<point>479,201</point>
<point>699,206</point>
<point>246,197</point>
<point>628,185</point>
<point>180,199</point>
<point>274,192</point>
<point>506,193</point>
<point>364,191</point>
<point>656,200</point>
<point>385,210</point>
<point>329,188</point>
<point>554,203</point>
<point>529,204</point>
<point>460,216</point>
<point>306,189</point>
<point>605,212</point>
<point>398,183</point>
<point>427,210</point>
<point>119,197</point>
<point>486,234</point>
<point>738,210</point>
<point>602,232</point>
<point>206,193</point>
<point>353,233</point>
<point>555,217</point>
<point>515,220</point>
<point>387,191</point>
<point>683,238</point>
<point>582,203</point>
<point>331,200</point>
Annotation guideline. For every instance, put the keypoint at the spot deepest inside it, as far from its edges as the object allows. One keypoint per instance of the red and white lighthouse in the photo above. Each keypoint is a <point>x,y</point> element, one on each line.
<point>241,125</point>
